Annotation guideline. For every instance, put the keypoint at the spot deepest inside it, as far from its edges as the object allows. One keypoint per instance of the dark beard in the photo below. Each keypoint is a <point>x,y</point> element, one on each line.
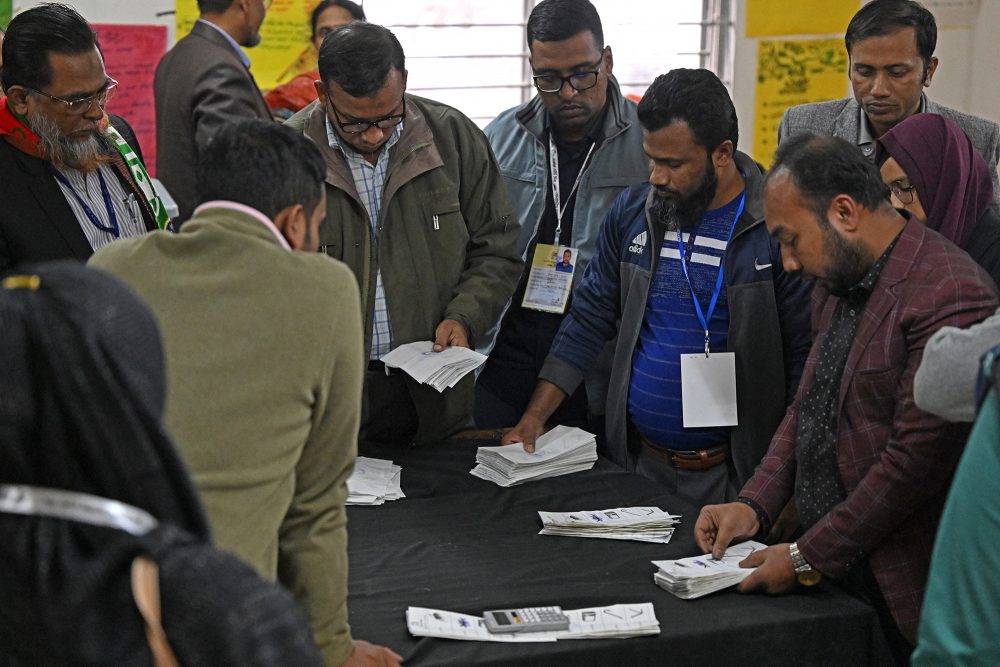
<point>848,263</point>
<point>677,211</point>
<point>62,152</point>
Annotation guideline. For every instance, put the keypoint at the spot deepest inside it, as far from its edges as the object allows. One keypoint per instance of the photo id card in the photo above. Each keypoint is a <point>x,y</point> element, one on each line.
<point>550,279</point>
<point>708,389</point>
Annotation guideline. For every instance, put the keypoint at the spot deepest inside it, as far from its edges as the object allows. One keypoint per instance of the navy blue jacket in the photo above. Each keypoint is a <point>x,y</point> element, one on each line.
<point>769,320</point>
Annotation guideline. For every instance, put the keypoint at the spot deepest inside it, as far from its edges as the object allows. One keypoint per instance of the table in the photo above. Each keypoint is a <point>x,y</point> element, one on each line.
<point>464,544</point>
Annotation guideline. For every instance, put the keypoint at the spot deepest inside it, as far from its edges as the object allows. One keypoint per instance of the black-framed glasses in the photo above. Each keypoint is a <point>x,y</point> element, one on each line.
<point>583,80</point>
<point>903,190</point>
<point>362,126</point>
<point>79,106</point>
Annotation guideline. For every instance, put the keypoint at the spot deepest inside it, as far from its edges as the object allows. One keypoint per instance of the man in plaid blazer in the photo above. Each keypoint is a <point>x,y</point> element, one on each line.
<point>868,468</point>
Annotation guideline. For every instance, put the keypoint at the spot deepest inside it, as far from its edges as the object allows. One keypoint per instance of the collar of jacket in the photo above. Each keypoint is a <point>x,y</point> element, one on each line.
<point>532,115</point>
<point>414,154</point>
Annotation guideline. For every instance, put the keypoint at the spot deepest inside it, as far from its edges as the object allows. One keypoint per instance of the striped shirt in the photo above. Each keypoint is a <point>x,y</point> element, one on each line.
<point>86,187</point>
<point>671,328</point>
<point>369,180</point>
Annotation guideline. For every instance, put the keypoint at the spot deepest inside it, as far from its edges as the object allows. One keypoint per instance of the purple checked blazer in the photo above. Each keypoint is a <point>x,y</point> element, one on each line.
<point>896,461</point>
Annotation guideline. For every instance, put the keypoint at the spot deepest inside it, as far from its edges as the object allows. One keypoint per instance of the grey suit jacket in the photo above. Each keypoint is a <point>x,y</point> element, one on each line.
<point>840,118</point>
<point>201,84</point>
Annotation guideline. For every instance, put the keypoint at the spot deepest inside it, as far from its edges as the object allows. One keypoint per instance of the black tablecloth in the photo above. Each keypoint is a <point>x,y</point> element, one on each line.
<point>463,544</point>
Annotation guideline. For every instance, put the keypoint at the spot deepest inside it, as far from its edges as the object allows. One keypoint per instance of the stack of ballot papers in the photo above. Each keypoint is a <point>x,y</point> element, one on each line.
<point>615,621</point>
<point>645,524</point>
<point>373,482</point>
<point>440,370</point>
<point>696,576</point>
<point>561,451</point>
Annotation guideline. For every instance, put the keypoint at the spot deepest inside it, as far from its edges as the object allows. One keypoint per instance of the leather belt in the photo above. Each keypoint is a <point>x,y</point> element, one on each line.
<point>701,459</point>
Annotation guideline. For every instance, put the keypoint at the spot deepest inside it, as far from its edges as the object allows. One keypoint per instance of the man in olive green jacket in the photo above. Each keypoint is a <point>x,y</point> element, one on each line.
<point>264,367</point>
<point>419,211</point>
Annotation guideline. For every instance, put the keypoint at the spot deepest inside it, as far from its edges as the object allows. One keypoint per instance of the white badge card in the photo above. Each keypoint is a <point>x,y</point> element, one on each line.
<point>550,278</point>
<point>708,389</point>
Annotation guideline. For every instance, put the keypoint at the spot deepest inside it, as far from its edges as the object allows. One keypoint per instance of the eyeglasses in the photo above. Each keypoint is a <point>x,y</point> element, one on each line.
<point>80,106</point>
<point>903,191</point>
<point>553,83</point>
<point>362,126</point>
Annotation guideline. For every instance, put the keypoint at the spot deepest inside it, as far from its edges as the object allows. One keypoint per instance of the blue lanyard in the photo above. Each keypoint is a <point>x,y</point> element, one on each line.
<point>113,229</point>
<point>718,281</point>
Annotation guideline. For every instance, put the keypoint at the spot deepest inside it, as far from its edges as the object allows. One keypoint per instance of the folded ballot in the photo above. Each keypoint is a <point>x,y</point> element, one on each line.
<point>440,370</point>
<point>645,524</point>
<point>613,621</point>
<point>696,576</point>
<point>561,451</point>
<point>373,482</point>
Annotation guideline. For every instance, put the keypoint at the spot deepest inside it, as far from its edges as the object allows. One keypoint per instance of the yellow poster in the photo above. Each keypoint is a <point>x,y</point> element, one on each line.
<point>791,72</point>
<point>284,49</point>
<point>768,18</point>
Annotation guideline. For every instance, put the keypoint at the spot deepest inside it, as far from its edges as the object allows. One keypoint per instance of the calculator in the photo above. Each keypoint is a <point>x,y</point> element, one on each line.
<point>528,619</point>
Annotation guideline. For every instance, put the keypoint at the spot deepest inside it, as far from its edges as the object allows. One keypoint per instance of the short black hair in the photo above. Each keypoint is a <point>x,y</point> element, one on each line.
<point>881,17</point>
<point>556,20</point>
<point>823,166</point>
<point>264,165</point>
<point>35,33</point>
<point>214,6</point>
<point>353,8</point>
<point>697,97</point>
<point>359,56</point>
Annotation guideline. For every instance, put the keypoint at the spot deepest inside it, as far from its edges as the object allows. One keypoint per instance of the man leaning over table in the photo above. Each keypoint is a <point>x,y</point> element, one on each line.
<point>263,351</point>
<point>703,204</point>
<point>418,210</point>
<point>869,469</point>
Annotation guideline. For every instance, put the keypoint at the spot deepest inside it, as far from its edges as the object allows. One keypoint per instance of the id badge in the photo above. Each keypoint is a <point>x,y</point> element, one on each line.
<point>550,278</point>
<point>708,389</point>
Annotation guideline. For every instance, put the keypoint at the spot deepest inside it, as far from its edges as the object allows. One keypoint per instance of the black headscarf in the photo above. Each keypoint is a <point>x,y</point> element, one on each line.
<point>82,392</point>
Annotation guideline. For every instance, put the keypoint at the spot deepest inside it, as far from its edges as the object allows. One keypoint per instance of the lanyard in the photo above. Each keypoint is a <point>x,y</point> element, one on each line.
<point>718,281</point>
<point>82,507</point>
<point>94,220</point>
<point>554,168</point>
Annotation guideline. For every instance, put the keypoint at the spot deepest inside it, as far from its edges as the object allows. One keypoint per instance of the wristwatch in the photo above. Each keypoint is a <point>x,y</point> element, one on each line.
<point>804,572</point>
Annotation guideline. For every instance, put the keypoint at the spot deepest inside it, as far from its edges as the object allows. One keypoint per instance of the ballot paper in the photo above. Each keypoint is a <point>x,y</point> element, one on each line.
<point>561,451</point>
<point>373,482</point>
<point>615,621</point>
<point>645,524</point>
<point>440,370</point>
<point>696,576</point>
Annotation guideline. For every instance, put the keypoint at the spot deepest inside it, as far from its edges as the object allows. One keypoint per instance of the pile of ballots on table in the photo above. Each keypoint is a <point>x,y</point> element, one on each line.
<point>613,621</point>
<point>561,451</point>
<point>440,370</point>
<point>693,577</point>
<point>373,482</point>
<point>645,524</point>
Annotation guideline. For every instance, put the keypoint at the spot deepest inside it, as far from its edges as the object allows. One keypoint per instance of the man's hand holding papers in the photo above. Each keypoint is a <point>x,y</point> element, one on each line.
<point>561,451</point>
<point>440,369</point>
<point>693,577</point>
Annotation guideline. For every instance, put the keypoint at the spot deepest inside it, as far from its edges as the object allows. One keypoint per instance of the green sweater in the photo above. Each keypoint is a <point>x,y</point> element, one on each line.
<point>264,368</point>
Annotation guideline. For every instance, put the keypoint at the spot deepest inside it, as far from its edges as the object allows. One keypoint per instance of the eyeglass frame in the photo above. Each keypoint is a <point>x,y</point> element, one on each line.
<point>904,195</point>
<point>84,103</point>
<point>563,80</point>
<point>369,124</point>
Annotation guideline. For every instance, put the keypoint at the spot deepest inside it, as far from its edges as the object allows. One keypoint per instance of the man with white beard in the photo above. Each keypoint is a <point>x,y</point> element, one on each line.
<point>72,183</point>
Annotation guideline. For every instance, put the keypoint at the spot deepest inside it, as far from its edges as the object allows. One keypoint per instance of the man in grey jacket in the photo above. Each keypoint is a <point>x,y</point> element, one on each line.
<point>891,48</point>
<point>580,128</point>
<point>201,85</point>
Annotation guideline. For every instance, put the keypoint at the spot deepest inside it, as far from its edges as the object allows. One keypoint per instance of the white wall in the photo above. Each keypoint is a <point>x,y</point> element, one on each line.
<point>966,79</point>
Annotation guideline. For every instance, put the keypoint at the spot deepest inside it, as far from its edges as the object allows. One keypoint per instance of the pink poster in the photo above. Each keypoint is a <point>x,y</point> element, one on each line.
<point>131,53</point>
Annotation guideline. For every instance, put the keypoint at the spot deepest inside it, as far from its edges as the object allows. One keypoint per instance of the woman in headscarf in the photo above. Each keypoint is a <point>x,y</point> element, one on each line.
<point>935,173</point>
<point>90,482</point>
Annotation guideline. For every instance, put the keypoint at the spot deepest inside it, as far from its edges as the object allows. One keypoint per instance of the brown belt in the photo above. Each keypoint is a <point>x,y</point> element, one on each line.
<point>702,459</point>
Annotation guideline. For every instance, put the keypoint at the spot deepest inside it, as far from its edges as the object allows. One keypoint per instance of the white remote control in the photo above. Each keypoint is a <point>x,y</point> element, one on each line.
<point>528,619</point>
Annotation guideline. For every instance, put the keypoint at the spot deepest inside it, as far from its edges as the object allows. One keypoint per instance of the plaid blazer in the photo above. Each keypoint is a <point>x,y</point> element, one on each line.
<point>896,461</point>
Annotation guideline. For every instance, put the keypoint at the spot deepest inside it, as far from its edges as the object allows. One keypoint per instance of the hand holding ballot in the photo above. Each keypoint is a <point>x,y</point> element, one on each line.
<point>450,333</point>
